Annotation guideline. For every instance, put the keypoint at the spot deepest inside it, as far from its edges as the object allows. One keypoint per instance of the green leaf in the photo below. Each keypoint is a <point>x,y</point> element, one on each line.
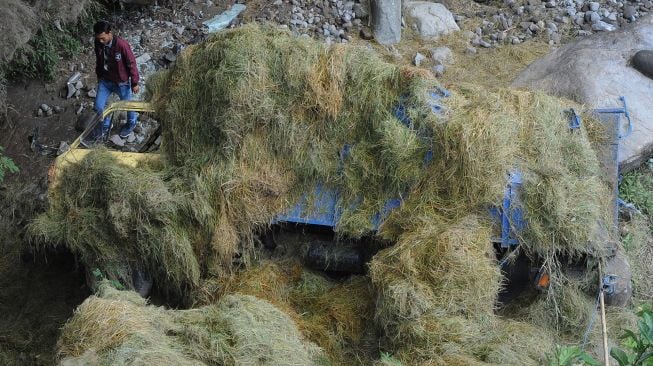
<point>589,359</point>
<point>620,356</point>
<point>644,358</point>
<point>565,355</point>
<point>646,329</point>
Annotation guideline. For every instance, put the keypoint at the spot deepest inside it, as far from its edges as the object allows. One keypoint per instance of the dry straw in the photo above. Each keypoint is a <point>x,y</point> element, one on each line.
<point>253,118</point>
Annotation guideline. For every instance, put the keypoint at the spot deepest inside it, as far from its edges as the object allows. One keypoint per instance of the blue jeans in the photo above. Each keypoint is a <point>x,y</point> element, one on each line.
<point>124,91</point>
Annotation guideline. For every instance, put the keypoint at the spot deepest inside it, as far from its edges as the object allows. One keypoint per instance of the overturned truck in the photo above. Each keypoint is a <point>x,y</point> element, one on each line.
<point>455,189</point>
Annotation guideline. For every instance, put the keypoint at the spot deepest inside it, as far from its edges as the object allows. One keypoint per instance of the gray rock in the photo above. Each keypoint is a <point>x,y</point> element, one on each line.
<point>386,21</point>
<point>39,112</point>
<point>485,44</point>
<point>642,61</point>
<point>602,26</point>
<point>418,59</point>
<point>592,17</point>
<point>116,140</point>
<point>79,85</point>
<point>131,138</point>
<point>366,34</point>
<point>552,26</point>
<point>438,70</point>
<point>430,20</point>
<point>594,6</point>
<point>534,28</point>
<point>629,12</point>
<point>442,56</point>
<point>58,109</point>
<point>63,147</point>
<point>170,57</point>
<point>143,58</point>
<point>44,107</point>
<point>180,30</point>
<point>594,71</point>
<point>470,50</point>
<point>92,93</point>
<point>49,112</point>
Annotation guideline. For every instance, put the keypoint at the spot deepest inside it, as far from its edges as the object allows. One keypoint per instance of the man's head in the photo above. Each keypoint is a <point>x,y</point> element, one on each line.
<point>102,30</point>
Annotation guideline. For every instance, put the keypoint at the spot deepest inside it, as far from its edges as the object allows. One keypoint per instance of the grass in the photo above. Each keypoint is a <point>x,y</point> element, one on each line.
<point>118,327</point>
<point>335,315</point>
<point>636,187</point>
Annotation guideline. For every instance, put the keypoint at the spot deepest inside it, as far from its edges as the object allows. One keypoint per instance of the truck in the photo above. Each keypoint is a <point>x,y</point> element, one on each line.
<point>320,209</point>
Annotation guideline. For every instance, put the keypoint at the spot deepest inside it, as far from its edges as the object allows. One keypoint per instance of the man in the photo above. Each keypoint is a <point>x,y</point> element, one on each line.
<point>116,71</point>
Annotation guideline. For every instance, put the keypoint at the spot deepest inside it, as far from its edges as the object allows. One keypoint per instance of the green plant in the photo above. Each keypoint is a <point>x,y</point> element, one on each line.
<point>637,187</point>
<point>99,277</point>
<point>41,56</point>
<point>6,165</point>
<point>638,348</point>
<point>571,356</point>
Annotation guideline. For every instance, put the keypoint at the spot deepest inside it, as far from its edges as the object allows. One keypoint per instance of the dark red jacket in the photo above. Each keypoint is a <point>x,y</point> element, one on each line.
<point>121,64</point>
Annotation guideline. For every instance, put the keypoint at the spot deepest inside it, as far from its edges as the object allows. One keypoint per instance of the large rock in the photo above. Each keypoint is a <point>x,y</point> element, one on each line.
<point>596,71</point>
<point>386,20</point>
<point>430,20</point>
<point>643,62</point>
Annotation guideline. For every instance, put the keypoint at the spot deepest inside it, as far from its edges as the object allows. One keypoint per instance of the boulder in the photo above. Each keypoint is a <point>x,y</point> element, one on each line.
<point>643,62</point>
<point>429,20</point>
<point>596,71</point>
<point>442,56</point>
<point>386,21</point>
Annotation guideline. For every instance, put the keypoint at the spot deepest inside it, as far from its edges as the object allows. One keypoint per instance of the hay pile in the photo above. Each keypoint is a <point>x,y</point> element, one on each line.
<point>116,219</point>
<point>117,327</point>
<point>335,315</point>
<point>254,117</point>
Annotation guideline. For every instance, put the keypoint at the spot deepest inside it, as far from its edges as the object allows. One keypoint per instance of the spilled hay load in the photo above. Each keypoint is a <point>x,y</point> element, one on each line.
<point>255,118</point>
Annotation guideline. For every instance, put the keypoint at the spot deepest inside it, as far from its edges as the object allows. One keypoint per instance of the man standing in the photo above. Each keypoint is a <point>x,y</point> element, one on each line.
<point>116,71</point>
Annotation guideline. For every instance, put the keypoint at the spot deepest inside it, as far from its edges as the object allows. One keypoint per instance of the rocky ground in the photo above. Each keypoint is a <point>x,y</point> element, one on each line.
<point>157,35</point>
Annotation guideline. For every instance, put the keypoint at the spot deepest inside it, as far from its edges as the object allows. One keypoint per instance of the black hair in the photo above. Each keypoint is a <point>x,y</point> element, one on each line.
<point>101,26</point>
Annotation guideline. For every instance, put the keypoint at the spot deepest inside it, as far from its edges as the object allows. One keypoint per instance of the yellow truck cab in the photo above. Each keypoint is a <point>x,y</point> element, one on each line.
<point>78,152</point>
